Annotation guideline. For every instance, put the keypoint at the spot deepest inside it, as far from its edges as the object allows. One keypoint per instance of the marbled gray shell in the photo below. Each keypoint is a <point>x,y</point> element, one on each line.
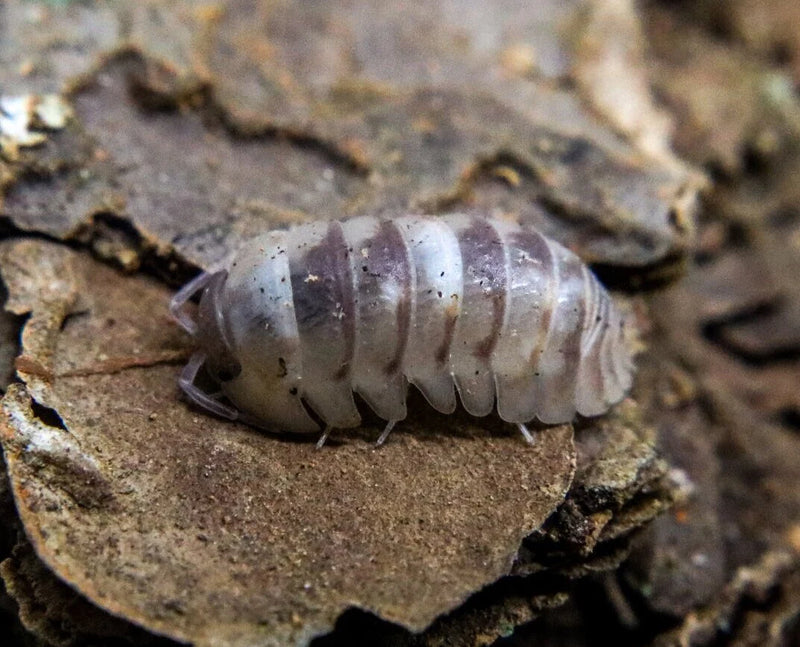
<point>498,313</point>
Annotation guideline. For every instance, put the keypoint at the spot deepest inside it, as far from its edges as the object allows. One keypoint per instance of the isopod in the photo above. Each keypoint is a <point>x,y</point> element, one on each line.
<point>500,314</point>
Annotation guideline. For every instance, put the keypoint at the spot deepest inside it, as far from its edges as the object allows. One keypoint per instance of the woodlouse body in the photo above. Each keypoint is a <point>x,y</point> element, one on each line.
<point>498,313</point>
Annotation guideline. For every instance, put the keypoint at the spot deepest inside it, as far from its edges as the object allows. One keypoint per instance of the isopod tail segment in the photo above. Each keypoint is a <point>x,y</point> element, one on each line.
<point>189,373</point>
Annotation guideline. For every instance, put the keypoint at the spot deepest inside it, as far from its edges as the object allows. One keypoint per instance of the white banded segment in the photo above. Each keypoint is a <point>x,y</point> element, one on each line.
<point>438,291</point>
<point>258,307</point>
<point>485,267</point>
<point>381,287</point>
<point>559,360</point>
<point>321,281</point>
<point>454,304</point>
<point>532,298</point>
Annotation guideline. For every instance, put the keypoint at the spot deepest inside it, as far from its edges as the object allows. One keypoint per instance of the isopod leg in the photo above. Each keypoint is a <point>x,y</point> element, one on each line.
<point>526,434</point>
<point>385,434</point>
<point>326,432</point>
<point>198,396</point>
<point>182,296</point>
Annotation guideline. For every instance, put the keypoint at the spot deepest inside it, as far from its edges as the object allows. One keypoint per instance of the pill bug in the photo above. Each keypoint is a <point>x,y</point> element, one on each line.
<point>305,317</point>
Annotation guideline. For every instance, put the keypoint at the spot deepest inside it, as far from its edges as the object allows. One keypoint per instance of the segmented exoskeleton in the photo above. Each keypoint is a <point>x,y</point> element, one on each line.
<point>501,314</point>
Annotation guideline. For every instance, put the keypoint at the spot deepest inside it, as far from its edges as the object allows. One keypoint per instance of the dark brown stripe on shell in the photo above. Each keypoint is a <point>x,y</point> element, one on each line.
<point>535,246</point>
<point>571,272</point>
<point>591,305</point>
<point>594,352</point>
<point>389,259</point>
<point>483,256</point>
<point>328,300</point>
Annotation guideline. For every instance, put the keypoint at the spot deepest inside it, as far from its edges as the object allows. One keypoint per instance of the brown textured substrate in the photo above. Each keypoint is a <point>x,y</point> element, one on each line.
<point>197,125</point>
<point>214,533</point>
